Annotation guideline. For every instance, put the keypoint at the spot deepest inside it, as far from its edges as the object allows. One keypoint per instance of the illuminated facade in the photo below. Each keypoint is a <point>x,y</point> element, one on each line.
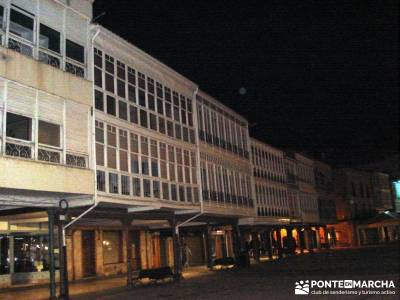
<point>361,196</point>
<point>45,128</point>
<point>146,161</point>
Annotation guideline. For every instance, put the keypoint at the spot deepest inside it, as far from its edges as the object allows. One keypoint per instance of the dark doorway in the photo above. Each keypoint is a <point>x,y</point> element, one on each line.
<point>88,253</point>
<point>136,261</point>
<point>196,247</point>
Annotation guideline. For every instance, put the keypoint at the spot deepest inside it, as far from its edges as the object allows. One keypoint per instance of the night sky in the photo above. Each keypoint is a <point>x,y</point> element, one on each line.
<point>312,76</point>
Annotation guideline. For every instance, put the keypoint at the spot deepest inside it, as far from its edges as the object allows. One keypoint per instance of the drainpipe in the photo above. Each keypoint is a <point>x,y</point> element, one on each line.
<point>93,112</point>
<point>77,218</point>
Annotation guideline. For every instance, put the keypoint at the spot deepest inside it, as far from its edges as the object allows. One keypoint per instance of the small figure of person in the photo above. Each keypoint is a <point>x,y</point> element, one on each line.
<point>186,253</point>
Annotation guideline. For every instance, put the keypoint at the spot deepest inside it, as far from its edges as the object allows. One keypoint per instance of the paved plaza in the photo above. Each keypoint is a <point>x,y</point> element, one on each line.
<point>268,280</point>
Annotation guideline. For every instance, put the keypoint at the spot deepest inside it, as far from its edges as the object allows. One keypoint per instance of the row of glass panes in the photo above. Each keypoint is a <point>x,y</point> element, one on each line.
<point>305,173</point>
<point>225,186</point>
<point>219,130</point>
<point>20,141</point>
<point>202,101</point>
<point>120,149</point>
<point>266,159</point>
<point>140,89</point>
<point>266,174</point>
<point>22,38</point>
<point>133,114</point>
<point>272,212</point>
<point>271,196</point>
<point>115,183</point>
<point>308,202</point>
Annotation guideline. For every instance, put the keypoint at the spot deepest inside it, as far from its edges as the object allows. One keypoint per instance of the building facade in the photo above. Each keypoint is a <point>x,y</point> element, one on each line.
<point>142,162</point>
<point>225,171</point>
<point>268,228</point>
<point>45,128</point>
<point>361,196</point>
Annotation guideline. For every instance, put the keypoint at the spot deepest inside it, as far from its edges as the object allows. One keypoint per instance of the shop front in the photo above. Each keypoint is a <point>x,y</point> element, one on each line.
<point>24,253</point>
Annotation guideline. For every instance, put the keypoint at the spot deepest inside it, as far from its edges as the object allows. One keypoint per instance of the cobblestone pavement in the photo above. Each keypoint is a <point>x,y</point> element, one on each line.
<point>269,280</point>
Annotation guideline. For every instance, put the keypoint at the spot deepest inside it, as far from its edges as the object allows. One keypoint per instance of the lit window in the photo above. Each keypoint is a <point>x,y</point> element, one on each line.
<point>112,247</point>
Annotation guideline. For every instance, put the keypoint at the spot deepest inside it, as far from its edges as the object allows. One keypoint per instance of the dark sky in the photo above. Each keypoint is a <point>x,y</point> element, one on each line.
<point>320,76</point>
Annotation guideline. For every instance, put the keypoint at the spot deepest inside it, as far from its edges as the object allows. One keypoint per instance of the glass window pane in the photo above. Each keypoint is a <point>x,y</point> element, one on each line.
<point>125,185</point>
<point>98,77</point>
<point>165,191</point>
<point>49,38</point>
<point>156,189</point>
<point>143,118</point>
<point>99,154</point>
<point>49,134</point>
<point>133,114</point>
<point>111,109</point>
<point>75,51</point>
<point>31,253</point>
<point>109,83</point>
<point>101,181</point>
<point>146,188</point>
<point>21,25</point>
<point>19,127</point>
<point>136,186</point>
<point>112,247</point>
<point>113,183</point>
<point>134,164</point>
<point>99,100</point>
<point>122,110</point>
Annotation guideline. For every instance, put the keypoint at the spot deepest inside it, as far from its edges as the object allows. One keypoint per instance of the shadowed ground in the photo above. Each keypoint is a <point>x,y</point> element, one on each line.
<point>269,280</point>
<point>276,279</point>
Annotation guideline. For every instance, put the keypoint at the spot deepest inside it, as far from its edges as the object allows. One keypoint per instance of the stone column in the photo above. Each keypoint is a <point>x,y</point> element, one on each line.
<point>126,223</point>
<point>318,238</point>
<point>326,237</point>
<point>177,249</point>
<point>279,242</point>
<point>300,234</point>
<point>291,242</point>
<point>236,241</point>
<point>11,250</point>
<point>256,245</point>
<point>52,271</point>
<point>268,244</point>
<point>308,239</point>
